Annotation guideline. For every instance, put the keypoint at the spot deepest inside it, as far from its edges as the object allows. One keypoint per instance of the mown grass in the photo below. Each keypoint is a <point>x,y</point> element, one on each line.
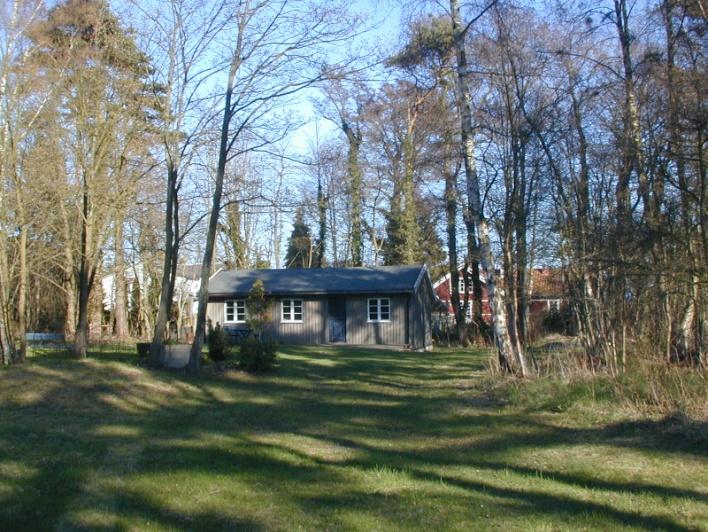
<point>335,439</point>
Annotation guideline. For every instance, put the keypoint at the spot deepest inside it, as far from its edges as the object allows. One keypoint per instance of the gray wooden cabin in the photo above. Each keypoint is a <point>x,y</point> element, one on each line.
<point>387,305</point>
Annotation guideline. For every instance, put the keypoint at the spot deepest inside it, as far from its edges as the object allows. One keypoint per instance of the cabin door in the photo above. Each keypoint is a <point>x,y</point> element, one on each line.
<point>337,319</point>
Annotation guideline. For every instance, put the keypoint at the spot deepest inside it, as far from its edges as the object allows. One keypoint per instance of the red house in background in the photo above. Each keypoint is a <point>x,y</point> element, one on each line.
<point>548,293</point>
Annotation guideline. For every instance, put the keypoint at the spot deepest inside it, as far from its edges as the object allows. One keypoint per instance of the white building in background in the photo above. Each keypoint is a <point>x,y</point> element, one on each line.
<point>185,303</point>
<point>109,286</point>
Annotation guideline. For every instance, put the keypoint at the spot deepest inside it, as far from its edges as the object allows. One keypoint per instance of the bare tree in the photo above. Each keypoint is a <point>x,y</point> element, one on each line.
<point>275,52</point>
<point>345,107</point>
<point>179,37</point>
<point>20,106</point>
<point>509,351</point>
<point>105,111</point>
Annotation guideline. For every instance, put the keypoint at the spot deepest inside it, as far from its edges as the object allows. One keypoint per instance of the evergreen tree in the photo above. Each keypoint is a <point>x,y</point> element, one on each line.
<point>402,247</point>
<point>258,309</point>
<point>300,247</point>
<point>322,213</point>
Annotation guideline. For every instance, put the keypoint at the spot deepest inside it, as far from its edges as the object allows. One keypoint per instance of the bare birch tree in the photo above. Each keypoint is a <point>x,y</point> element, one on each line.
<point>510,353</point>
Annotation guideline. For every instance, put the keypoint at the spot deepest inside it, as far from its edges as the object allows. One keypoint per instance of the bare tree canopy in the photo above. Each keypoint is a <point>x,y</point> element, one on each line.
<point>141,152</point>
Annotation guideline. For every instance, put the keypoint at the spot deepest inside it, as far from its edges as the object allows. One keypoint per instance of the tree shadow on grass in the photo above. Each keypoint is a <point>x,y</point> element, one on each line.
<point>522,499</point>
<point>480,455</point>
<point>204,427</point>
<point>142,508</point>
<point>548,504</point>
<point>25,505</point>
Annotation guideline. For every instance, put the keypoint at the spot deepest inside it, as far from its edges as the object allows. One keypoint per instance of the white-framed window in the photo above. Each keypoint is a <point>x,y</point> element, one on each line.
<point>554,305</point>
<point>379,309</point>
<point>235,311</point>
<point>468,314</point>
<point>461,284</point>
<point>291,310</point>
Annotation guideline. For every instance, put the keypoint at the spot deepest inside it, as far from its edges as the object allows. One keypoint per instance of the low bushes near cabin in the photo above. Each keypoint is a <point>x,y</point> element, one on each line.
<point>143,349</point>
<point>219,344</point>
<point>257,355</point>
<point>474,334</point>
<point>558,321</point>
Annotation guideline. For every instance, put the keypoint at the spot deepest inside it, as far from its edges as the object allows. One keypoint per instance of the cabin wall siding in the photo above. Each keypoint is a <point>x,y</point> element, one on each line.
<point>311,331</point>
<point>421,326</point>
<point>361,332</point>
<point>410,322</point>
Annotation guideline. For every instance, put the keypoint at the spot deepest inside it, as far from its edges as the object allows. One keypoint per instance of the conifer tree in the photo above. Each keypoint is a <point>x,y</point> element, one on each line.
<point>300,252</point>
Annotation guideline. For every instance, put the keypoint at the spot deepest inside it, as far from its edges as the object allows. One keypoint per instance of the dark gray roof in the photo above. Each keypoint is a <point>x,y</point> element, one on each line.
<point>389,279</point>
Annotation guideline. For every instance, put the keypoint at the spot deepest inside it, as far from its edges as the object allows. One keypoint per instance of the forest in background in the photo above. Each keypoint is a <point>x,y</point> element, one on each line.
<point>500,135</point>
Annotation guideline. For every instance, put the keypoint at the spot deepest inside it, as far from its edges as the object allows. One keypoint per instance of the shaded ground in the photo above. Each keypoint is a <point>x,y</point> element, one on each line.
<point>337,439</point>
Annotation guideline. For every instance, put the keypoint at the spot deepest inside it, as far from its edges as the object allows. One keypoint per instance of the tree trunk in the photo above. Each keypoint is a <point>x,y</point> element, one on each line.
<point>169,263</point>
<point>96,330</point>
<point>5,351</point>
<point>355,196</point>
<point>686,330</point>
<point>632,136</point>
<point>81,338</point>
<point>322,213</point>
<point>453,261</point>
<point>233,233</point>
<point>68,276</point>
<point>6,343</point>
<point>472,277</point>
<point>521,259</point>
<point>506,349</point>
<point>120,303</point>
<point>22,295</point>
<point>196,350</point>
<point>408,225</point>
<point>70,304</point>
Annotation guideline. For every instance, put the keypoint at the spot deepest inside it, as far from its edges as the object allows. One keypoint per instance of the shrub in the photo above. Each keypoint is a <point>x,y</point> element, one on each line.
<point>143,349</point>
<point>258,309</point>
<point>560,322</point>
<point>218,342</point>
<point>256,355</point>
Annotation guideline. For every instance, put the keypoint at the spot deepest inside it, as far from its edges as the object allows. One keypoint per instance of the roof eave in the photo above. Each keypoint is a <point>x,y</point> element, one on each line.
<point>314,293</point>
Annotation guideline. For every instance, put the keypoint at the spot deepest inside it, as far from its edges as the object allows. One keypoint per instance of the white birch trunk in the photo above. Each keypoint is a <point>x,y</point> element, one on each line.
<point>508,352</point>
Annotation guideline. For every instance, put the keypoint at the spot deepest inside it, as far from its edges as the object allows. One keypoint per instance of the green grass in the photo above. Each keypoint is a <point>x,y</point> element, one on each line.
<point>335,439</point>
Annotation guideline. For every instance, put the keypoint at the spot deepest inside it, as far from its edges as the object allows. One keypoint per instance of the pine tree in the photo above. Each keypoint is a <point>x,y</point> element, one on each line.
<point>300,247</point>
<point>322,213</point>
<point>402,247</point>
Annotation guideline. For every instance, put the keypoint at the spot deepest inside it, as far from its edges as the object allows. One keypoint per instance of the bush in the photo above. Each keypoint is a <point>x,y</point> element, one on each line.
<point>256,355</point>
<point>560,322</point>
<point>143,349</point>
<point>218,342</point>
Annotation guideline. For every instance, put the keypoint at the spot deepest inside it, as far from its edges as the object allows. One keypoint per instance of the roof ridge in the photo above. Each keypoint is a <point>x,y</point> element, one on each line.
<point>357,279</point>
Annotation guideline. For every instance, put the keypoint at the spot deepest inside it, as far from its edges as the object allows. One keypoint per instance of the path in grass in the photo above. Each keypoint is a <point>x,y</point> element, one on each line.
<point>337,439</point>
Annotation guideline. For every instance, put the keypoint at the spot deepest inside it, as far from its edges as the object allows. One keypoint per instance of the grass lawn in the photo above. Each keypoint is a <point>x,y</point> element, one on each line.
<point>335,439</point>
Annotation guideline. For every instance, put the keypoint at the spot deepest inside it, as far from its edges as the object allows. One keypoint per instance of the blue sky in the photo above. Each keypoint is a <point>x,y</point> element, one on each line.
<point>383,19</point>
